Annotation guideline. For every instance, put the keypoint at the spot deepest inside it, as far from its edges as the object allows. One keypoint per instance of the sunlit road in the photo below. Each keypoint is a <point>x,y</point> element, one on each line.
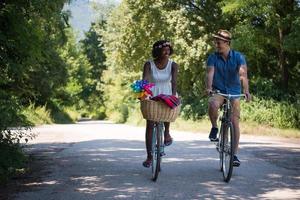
<point>101,160</point>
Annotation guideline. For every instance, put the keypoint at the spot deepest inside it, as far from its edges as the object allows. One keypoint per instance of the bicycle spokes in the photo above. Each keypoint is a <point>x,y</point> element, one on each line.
<point>227,151</point>
<point>157,149</point>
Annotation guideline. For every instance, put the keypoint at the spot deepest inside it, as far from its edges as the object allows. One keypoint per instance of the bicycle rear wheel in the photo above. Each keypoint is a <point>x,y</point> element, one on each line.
<point>156,143</point>
<point>227,150</point>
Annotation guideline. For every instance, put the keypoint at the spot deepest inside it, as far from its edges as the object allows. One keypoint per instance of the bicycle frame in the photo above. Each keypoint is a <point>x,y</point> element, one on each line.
<point>226,143</point>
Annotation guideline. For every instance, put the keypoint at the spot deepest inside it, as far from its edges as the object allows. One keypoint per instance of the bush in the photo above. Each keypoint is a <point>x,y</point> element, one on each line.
<point>120,115</point>
<point>134,114</point>
<point>58,113</point>
<point>37,115</point>
<point>195,109</point>
<point>12,159</point>
<point>11,156</point>
<point>268,89</point>
<point>99,113</point>
<point>281,114</point>
<point>265,88</point>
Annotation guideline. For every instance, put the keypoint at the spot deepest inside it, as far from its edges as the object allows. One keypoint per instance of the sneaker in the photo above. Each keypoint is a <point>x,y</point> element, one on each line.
<point>213,134</point>
<point>236,161</point>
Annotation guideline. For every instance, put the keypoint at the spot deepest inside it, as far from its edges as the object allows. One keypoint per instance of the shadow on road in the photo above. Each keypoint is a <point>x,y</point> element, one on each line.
<point>111,169</point>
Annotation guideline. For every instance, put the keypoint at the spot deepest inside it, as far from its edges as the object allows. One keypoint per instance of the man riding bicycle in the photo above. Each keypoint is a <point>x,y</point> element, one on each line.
<point>226,72</point>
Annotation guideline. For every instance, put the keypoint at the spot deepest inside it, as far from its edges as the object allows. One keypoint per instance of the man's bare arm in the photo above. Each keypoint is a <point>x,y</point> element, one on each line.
<point>209,78</point>
<point>244,81</point>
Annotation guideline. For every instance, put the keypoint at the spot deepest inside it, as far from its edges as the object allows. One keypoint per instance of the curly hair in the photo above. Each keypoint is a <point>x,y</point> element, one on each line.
<point>158,45</point>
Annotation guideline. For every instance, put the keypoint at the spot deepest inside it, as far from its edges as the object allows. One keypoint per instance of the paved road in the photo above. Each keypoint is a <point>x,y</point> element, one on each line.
<point>100,160</point>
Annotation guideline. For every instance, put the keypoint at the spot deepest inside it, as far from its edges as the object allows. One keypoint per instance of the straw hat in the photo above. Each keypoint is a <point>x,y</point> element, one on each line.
<point>223,35</point>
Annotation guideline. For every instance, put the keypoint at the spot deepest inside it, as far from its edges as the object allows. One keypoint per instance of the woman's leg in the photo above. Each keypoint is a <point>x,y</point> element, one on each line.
<point>167,136</point>
<point>149,129</point>
<point>167,129</point>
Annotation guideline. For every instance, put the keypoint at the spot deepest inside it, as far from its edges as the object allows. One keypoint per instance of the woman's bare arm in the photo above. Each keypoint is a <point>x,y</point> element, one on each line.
<point>147,71</point>
<point>174,72</point>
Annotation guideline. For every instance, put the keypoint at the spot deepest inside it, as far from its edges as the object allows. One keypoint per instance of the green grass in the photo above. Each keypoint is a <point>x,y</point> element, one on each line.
<point>37,115</point>
<point>203,126</point>
<point>245,127</point>
<point>265,130</point>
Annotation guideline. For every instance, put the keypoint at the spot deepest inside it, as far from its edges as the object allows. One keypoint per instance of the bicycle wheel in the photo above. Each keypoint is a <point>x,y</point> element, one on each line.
<point>219,148</point>
<point>156,138</point>
<point>227,151</point>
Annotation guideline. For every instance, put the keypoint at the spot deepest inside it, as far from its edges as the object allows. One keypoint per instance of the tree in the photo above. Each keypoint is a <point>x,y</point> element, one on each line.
<point>134,26</point>
<point>30,33</point>
<point>30,69</point>
<point>266,29</point>
<point>93,48</point>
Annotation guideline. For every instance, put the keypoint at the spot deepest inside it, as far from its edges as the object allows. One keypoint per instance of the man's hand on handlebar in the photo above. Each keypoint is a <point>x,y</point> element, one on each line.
<point>247,96</point>
<point>209,92</point>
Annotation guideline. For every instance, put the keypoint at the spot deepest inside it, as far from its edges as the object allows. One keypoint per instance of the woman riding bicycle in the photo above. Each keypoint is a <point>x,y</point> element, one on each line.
<point>163,72</point>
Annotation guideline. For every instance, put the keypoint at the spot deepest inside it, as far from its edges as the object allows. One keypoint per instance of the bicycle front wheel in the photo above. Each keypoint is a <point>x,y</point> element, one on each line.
<point>227,150</point>
<point>156,143</point>
<point>220,148</point>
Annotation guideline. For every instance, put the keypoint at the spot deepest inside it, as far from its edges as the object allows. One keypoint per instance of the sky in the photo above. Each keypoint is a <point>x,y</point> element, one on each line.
<point>82,14</point>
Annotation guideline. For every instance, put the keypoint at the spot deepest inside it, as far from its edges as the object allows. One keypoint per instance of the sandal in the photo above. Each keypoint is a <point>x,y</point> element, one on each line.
<point>169,141</point>
<point>147,163</point>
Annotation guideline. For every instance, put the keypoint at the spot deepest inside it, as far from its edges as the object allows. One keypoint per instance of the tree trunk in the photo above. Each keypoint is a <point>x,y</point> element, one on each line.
<point>283,9</point>
<point>282,61</point>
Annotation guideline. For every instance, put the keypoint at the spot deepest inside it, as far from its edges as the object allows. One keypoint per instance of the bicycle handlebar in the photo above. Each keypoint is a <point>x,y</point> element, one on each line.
<point>227,95</point>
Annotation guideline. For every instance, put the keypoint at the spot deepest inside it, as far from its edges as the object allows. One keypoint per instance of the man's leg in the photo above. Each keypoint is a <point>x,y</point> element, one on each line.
<point>235,118</point>
<point>214,103</point>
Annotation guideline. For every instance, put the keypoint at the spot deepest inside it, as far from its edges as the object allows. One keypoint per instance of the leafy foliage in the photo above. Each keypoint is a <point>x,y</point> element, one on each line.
<point>14,159</point>
<point>134,26</point>
<point>93,48</point>
<point>272,113</point>
<point>264,31</point>
<point>30,69</point>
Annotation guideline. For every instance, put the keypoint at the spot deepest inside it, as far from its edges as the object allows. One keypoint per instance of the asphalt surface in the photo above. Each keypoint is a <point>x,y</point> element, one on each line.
<point>101,160</point>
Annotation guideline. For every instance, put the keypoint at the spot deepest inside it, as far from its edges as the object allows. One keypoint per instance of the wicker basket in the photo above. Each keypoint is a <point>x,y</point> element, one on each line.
<point>158,111</point>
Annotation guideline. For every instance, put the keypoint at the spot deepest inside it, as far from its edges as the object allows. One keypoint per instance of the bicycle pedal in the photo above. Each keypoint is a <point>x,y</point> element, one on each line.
<point>214,140</point>
<point>162,154</point>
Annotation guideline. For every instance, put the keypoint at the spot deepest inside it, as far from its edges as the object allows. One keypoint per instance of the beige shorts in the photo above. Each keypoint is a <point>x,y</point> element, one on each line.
<point>218,101</point>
